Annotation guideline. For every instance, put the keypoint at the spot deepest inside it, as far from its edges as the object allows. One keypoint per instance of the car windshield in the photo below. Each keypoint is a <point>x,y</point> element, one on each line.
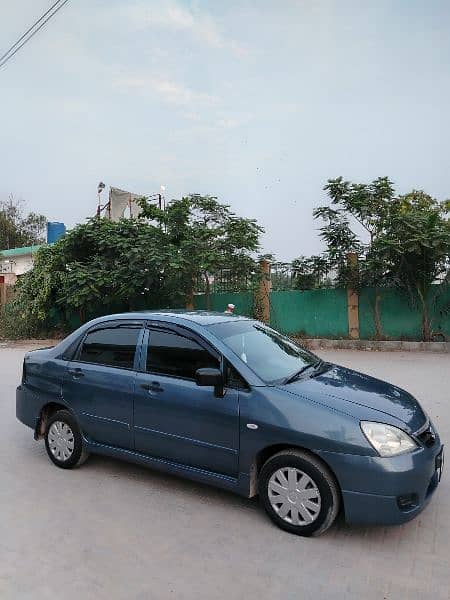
<point>272,356</point>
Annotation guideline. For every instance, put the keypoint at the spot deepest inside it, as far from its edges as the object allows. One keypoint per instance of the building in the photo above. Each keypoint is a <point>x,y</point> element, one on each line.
<point>17,261</point>
<point>13,264</point>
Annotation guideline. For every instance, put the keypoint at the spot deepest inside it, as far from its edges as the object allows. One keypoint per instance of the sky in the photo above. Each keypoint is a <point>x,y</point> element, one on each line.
<point>256,102</point>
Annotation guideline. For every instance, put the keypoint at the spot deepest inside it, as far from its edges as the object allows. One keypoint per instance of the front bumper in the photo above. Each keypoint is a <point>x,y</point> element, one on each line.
<point>374,489</point>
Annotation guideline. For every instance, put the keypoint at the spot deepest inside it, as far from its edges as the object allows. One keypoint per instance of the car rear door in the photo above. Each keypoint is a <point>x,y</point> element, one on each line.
<point>99,383</point>
<point>175,419</point>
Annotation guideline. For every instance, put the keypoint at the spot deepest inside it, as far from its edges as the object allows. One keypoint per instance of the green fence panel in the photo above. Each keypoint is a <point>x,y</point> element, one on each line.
<point>366,314</point>
<point>318,313</point>
<point>439,307</point>
<point>315,313</point>
<point>243,302</point>
<point>400,316</point>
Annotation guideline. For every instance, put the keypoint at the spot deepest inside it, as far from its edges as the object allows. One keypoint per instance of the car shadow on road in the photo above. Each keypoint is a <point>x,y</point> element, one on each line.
<point>166,482</point>
<point>367,538</point>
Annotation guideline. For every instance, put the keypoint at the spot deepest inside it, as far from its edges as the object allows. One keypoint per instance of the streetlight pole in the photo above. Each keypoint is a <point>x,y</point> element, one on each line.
<point>100,188</point>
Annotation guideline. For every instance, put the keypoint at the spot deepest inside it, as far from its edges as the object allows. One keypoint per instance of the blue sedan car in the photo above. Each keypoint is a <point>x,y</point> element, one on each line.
<point>228,401</point>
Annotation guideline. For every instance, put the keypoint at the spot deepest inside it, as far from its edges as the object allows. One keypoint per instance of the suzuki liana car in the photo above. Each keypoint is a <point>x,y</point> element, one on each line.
<point>228,401</point>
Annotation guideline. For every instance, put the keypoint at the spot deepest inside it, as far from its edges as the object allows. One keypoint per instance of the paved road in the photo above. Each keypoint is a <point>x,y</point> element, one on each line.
<point>111,530</point>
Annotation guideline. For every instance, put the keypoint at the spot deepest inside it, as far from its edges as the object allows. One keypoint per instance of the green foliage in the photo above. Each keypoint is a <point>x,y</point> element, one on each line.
<point>409,239</point>
<point>207,237</point>
<point>101,266</point>
<point>415,241</point>
<point>309,272</point>
<point>267,256</point>
<point>340,241</point>
<point>14,325</point>
<point>18,229</point>
<point>414,248</point>
<point>366,203</point>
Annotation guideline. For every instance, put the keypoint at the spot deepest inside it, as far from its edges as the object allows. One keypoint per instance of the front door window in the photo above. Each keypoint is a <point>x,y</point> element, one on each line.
<point>177,356</point>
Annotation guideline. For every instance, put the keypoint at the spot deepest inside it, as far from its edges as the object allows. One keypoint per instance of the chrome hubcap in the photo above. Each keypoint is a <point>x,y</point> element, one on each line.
<point>294,496</point>
<point>61,440</point>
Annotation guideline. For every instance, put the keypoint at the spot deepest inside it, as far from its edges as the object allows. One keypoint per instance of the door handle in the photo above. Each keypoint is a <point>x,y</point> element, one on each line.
<point>76,373</point>
<point>154,386</point>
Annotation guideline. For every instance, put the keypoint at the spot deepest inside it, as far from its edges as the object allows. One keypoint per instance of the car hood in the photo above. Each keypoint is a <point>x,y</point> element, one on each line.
<point>361,396</point>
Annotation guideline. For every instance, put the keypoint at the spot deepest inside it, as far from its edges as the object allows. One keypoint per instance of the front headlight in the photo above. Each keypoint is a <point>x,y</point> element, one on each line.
<point>387,439</point>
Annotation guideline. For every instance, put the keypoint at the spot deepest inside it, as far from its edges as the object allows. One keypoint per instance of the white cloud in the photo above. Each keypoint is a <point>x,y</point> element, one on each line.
<point>192,116</point>
<point>171,91</point>
<point>227,123</point>
<point>178,94</point>
<point>176,18</point>
<point>74,106</point>
<point>131,82</point>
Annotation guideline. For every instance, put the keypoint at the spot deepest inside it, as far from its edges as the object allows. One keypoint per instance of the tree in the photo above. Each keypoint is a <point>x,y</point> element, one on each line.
<point>408,245</point>
<point>309,272</point>
<point>340,242</point>
<point>208,237</point>
<point>18,229</point>
<point>414,248</point>
<point>367,203</point>
<point>151,262</point>
<point>99,267</point>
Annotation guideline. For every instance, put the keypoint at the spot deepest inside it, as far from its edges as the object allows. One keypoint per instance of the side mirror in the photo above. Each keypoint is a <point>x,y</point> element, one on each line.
<point>209,377</point>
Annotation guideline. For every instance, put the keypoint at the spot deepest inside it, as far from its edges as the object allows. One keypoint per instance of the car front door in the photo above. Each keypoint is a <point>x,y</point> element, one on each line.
<point>99,383</point>
<point>177,420</point>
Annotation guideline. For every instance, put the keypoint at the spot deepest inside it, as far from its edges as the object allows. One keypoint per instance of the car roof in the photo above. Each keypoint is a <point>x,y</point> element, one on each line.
<point>201,317</point>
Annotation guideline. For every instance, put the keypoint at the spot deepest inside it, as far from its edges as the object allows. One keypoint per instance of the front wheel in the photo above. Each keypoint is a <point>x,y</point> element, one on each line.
<point>63,440</point>
<point>299,493</point>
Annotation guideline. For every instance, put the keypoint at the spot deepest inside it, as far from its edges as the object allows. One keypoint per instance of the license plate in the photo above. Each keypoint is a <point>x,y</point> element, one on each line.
<point>440,463</point>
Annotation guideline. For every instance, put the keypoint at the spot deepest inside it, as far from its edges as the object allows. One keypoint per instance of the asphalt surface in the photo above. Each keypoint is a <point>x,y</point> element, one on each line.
<point>112,530</point>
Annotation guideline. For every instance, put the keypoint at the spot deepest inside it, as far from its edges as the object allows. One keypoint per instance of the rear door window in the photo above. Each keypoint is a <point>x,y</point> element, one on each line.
<point>113,346</point>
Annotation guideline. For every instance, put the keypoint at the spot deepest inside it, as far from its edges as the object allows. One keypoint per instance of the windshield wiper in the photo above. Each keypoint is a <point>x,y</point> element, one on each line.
<point>297,374</point>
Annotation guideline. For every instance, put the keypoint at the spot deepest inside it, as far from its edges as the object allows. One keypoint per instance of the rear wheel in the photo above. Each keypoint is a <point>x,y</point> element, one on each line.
<point>63,440</point>
<point>299,493</point>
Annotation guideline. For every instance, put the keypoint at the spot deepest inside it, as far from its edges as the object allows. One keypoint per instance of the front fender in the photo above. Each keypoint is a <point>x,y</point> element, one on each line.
<point>283,420</point>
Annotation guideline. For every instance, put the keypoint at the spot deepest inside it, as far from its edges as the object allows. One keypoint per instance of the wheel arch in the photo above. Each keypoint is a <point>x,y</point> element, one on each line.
<point>265,453</point>
<point>46,412</point>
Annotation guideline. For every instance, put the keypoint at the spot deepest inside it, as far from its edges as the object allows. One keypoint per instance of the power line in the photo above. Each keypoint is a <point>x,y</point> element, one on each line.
<point>10,53</point>
<point>28,30</point>
<point>24,39</point>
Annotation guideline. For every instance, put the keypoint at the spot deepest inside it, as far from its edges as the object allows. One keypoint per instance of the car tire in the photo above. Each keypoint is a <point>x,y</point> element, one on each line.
<point>63,440</point>
<point>299,493</point>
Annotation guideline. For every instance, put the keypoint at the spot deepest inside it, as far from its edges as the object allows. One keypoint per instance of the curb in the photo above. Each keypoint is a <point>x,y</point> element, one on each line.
<point>386,346</point>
